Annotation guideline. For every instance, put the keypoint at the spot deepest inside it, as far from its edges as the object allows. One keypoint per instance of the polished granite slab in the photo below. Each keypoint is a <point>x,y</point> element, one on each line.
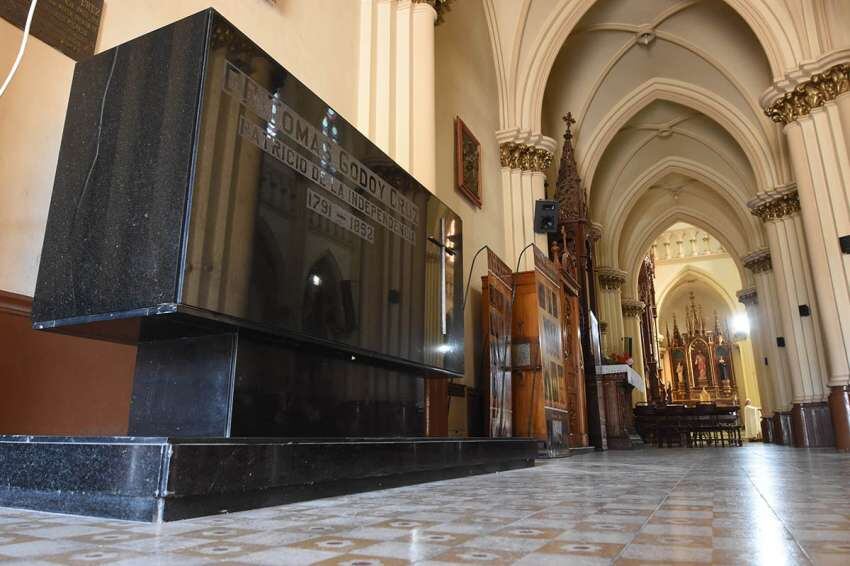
<point>201,184</point>
<point>280,274</point>
<point>761,504</point>
<point>164,479</point>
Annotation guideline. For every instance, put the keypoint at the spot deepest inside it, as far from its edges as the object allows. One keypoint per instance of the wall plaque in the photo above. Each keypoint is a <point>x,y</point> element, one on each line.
<point>70,26</point>
<point>467,163</point>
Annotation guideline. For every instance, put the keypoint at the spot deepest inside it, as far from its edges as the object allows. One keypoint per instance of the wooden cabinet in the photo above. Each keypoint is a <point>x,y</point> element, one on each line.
<point>540,395</point>
<point>496,330</point>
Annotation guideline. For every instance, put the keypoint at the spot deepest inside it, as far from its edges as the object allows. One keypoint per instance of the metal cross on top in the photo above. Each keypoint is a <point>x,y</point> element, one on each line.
<point>442,242</point>
<point>569,121</point>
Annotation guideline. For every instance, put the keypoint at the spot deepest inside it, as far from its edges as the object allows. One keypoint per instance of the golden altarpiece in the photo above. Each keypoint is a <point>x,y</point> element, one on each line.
<point>701,361</point>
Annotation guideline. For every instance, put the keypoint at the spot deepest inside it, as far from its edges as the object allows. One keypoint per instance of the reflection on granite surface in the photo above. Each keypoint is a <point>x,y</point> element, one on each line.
<point>218,185</point>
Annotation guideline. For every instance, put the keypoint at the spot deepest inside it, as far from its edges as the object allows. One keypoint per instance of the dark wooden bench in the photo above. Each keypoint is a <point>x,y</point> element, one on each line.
<point>705,424</point>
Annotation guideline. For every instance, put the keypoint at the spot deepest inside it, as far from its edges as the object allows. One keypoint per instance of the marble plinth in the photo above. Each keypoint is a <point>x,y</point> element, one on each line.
<point>166,479</point>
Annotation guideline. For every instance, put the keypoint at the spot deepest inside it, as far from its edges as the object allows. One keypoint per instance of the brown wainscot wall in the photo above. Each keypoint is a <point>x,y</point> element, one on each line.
<point>59,385</point>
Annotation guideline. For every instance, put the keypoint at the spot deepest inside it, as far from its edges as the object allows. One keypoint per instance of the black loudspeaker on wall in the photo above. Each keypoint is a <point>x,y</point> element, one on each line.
<point>545,216</point>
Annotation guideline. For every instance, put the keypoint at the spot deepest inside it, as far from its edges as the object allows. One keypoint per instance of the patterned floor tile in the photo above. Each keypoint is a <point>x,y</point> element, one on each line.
<point>760,504</point>
<point>465,555</point>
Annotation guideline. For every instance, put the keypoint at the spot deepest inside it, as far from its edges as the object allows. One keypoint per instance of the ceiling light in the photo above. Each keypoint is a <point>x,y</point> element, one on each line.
<point>740,324</point>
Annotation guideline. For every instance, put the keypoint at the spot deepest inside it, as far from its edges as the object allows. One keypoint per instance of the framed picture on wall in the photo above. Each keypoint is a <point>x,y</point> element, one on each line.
<point>467,163</point>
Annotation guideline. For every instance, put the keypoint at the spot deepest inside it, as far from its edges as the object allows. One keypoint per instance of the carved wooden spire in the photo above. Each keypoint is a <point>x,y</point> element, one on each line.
<point>677,336</point>
<point>568,190</point>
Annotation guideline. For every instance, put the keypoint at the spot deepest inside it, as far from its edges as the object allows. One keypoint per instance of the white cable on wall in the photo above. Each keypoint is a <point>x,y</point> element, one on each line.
<point>21,49</point>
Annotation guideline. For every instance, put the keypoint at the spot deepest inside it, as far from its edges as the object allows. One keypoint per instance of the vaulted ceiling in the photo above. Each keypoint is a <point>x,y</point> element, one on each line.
<point>669,126</point>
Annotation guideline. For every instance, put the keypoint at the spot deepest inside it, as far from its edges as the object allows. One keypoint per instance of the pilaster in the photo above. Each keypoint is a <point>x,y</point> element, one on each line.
<point>749,298</point>
<point>524,167</point>
<point>814,107</point>
<point>632,310</point>
<point>422,124</point>
<point>779,210</point>
<point>396,106</point>
<point>610,281</point>
<point>818,146</point>
<point>770,329</point>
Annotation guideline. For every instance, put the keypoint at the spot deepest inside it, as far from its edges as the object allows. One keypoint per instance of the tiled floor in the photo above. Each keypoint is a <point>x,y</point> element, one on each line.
<point>760,504</point>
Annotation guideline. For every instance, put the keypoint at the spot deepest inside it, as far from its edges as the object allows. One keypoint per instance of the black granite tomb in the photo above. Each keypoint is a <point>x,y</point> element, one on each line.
<point>280,273</point>
<point>282,277</point>
<point>165,479</point>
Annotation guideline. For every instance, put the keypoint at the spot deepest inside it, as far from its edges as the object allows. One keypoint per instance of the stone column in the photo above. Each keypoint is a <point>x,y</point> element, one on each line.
<point>524,168</point>
<point>764,377</point>
<point>595,234</point>
<point>396,103</point>
<point>632,310</point>
<point>611,280</point>
<point>779,210</point>
<point>759,262</point>
<point>422,124</point>
<point>816,115</point>
<point>603,336</point>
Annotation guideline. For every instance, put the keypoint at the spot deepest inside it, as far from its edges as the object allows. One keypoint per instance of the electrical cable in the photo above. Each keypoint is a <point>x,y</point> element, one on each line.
<point>469,277</point>
<point>504,357</point>
<point>505,349</point>
<point>463,311</point>
<point>21,49</point>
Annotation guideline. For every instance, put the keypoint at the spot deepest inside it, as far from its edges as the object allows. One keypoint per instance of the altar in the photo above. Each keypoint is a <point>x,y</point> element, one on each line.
<point>701,360</point>
<point>618,382</point>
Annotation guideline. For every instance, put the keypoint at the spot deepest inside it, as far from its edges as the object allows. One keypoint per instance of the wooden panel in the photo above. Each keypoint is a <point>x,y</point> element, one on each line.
<point>57,384</point>
<point>437,407</point>
<point>496,330</point>
<point>576,404</point>
<point>529,417</point>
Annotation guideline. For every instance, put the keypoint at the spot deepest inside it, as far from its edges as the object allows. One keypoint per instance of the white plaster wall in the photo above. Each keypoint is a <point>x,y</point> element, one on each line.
<point>315,39</point>
<point>32,112</point>
<point>720,268</point>
<point>466,87</point>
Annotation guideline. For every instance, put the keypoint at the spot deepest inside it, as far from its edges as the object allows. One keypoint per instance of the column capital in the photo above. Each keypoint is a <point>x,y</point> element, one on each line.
<point>632,307</point>
<point>758,261</point>
<point>440,8</point>
<point>802,92</point>
<point>611,278</point>
<point>776,204</point>
<point>748,297</point>
<point>595,232</point>
<point>525,157</point>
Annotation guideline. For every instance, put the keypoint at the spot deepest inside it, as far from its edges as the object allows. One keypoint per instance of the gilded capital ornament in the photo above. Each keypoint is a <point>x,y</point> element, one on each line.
<point>748,297</point>
<point>524,157</point>
<point>814,93</point>
<point>440,6</point>
<point>632,307</point>
<point>611,278</point>
<point>777,207</point>
<point>758,261</point>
